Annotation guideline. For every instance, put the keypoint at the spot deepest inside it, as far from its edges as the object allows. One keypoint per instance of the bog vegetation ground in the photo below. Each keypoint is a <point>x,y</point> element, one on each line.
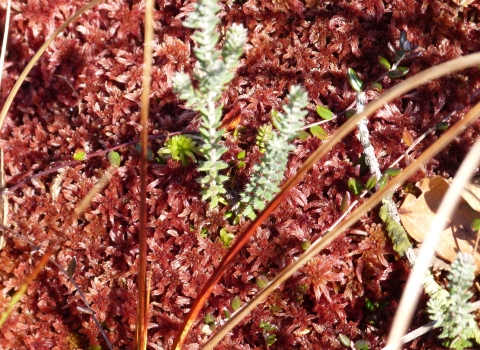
<point>85,93</point>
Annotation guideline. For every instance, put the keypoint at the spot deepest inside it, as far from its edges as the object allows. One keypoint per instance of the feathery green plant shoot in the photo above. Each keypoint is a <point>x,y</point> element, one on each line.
<point>180,147</point>
<point>451,309</point>
<point>214,71</point>
<point>267,175</point>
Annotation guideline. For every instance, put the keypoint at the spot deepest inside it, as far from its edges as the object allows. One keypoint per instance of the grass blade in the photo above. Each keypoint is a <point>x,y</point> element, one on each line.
<point>143,300</point>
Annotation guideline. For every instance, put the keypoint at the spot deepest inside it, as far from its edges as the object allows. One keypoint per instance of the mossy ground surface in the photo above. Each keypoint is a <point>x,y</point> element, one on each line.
<point>85,92</point>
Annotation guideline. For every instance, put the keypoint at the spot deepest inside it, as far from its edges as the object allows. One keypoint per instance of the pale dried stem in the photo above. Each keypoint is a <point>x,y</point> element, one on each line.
<point>412,290</point>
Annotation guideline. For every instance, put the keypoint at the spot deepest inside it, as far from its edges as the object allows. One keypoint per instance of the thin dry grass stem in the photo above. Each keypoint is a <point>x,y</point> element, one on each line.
<point>37,56</point>
<point>397,91</point>
<point>3,199</point>
<point>142,306</point>
<point>70,278</point>
<point>5,39</point>
<point>24,286</point>
<point>322,243</point>
<point>412,290</point>
<point>99,186</point>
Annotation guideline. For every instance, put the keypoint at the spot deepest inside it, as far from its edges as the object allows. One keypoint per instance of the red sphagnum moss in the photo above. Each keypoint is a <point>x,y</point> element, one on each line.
<point>84,94</point>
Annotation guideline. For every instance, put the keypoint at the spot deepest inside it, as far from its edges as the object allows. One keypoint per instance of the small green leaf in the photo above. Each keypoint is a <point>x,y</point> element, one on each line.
<point>355,186</point>
<point>79,155</point>
<point>397,73</point>
<point>306,244</point>
<point>354,80</point>
<point>350,113</point>
<point>241,154</point>
<point>475,225</point>
<point>384,63</point>
<point>362,345</point>
<point>204,232</point>
<point>392,171</point>
<point>228,214</point>
<point>262,281</point>
<point>209,319</point>
<point>369,305</point>
<point>344,339</point>
<point>319,132</point>
<point>267,326</point>
<point>71,267</point>
<point>271,339</point>
<point>226,313</point>
<point>114,159</point>
<point>241,165</point>
<point>302,135</point>
<point>441,126</point>
<point>376,85</point>
<point>226,237</point>
<point>382,182</point>
<point>371,182</point>
<point>236,303</point>
<point>324,113</point>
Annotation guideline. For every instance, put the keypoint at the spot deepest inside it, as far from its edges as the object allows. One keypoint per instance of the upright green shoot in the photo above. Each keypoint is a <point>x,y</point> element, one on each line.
<point>214,72</point>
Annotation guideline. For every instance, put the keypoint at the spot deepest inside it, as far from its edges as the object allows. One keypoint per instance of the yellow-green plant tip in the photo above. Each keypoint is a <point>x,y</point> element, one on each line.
<point>324,112</point>
<point>319,132</point>
<point>392,171</point>
<point>371,182</point>
<point>354,80</point>
<point>262,281</point>
<point>226,237</point>
<point>209,319</point>
<point>382,182</point>
<point>79,155</point>
<point>376,85</point>
<point>271,339</point>
<point>442,126</point>
<point>236,303</point>
<point>362,345</point>
<point>114,159</point>
<point>354,186</point>
<point>227,313</point>
<point>344,340</point>
<point>303,135</point>
<point>306,244</point>
<point>384,62</point>
<point>475,225</point>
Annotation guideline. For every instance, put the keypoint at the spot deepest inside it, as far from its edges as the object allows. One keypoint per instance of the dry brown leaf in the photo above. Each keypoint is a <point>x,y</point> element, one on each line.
<point>417,214</point>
